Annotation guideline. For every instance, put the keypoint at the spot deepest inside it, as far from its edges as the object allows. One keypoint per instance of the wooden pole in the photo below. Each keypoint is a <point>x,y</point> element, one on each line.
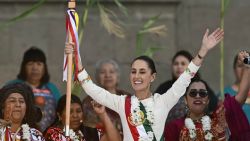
<point>71,5</point>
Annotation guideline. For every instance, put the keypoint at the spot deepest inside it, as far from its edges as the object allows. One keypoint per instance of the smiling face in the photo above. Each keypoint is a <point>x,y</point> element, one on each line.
<point>108,76</point>
<point>76,116</point>
<point>179,65</point>
<point>141,76</point>
<point>197,98</point>
<point>15,108</point>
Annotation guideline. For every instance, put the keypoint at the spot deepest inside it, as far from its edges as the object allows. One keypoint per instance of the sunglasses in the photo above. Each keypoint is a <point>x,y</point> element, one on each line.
<point>194,92</point>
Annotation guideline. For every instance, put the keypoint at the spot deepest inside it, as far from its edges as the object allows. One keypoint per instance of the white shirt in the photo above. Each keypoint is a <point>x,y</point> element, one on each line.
<point>162,103</point>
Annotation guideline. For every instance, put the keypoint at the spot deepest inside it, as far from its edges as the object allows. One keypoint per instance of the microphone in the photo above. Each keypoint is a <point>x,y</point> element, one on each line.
<point>247,60</point>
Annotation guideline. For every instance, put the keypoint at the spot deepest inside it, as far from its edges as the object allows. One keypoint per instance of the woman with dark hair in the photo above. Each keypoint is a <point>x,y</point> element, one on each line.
<point>78,132</point>
<point>34,72</point>
<point>17,114</point>
<point>204,121</point>
<point>180,62</point>
<point>142,114</point>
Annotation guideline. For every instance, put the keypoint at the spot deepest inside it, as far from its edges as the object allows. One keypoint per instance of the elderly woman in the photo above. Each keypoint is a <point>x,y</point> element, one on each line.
<point>18,114</point>
<point>142,114</point>
<point>107,76</point>
<point>203,122</point>
<point>34,72</point>
<point>78,132</point>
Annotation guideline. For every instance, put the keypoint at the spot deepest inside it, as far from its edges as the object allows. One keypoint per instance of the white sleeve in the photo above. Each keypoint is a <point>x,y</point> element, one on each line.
<point>99,94</point>
<point>178,89</point>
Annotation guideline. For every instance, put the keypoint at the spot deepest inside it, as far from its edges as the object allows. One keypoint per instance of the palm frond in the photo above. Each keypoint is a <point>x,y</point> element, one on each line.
<point>109,25</point>
<point>22,15</point>
<point>157,30</point>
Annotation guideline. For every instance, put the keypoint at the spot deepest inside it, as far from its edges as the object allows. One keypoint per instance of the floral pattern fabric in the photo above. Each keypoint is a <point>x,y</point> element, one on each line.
<point>57,134</point>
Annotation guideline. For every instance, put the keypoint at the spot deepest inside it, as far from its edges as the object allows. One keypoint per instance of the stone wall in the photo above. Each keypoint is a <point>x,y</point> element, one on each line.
<point>186,21</point>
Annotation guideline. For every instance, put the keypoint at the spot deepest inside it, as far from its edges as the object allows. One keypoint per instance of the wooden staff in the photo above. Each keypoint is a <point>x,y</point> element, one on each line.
<point>71,5</point>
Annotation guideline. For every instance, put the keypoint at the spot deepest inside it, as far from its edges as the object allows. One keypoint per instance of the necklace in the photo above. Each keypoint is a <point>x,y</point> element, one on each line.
<point>206,127</point>
<point>75,136</point>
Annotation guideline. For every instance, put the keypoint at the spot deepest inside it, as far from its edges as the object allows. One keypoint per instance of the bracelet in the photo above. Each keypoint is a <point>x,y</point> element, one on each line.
<point>200,57</point>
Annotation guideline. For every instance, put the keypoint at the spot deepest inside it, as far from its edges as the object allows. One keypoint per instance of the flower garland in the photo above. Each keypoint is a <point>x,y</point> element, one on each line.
<point>137,115</point>
<point>150,137</point>
<point>26,132</point>
<point>206,126</point>
<point>73,136</point>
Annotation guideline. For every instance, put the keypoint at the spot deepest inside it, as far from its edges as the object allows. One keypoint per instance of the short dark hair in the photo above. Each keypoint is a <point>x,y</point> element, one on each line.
<point>148,60</point>
<point>36,55</point>
<point>213,99</point>
<point>28,96</point>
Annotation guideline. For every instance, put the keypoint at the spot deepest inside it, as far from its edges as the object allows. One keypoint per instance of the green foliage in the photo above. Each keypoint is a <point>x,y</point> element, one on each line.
<point>22,15</point>
<point>148,28</point>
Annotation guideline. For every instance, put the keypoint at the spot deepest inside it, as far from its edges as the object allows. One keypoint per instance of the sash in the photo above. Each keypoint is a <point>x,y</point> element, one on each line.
<point>143,130</point>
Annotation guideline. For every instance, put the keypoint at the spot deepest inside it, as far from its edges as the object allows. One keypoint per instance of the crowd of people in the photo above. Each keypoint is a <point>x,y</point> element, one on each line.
<point>183,108</point>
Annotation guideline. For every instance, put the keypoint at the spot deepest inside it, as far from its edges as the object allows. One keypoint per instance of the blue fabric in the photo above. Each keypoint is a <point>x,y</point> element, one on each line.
<point>245,107</point>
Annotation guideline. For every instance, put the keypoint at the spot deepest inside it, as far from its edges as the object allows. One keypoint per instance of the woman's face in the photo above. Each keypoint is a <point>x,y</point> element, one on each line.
<point>140,76</point>
<point>76,116</point>
<point>34,71</point>
<point>15,108</point>
<point>179,65</point>
<point>197,98</point>
<point>108,76</point>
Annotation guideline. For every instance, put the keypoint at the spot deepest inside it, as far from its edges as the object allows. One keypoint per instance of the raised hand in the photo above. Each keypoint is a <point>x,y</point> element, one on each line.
<point>98,108</point>
<point>210,41</point>
<point>69,48</point>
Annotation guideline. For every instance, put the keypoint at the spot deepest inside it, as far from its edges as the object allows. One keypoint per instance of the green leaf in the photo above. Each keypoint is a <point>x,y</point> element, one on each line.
<point>151,21</point>
<point>121,7</point>
<point>76,89</point>
<point>151,50</point>
<point>23,15</point>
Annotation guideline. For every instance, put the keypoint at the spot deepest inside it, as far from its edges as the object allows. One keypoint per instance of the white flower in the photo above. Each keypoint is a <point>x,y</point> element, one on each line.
<point>208,136</point>
<point>150,135</point>
<point>206,123</point>
<point>72,135</point>
<point>192,133</point>
<point>189,123</point>
<point>26,132</point>
<point>206,126</point>
<point>191,127</point>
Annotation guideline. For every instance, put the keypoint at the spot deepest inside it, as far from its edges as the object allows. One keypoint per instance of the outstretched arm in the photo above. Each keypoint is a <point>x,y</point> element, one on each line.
<point>245,79</point>
<point>179,87</point>
<point>208,43</point>
<point>111,133</point>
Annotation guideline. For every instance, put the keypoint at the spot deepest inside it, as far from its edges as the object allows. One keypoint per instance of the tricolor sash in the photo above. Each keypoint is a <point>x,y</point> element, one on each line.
<point>141,131</point>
